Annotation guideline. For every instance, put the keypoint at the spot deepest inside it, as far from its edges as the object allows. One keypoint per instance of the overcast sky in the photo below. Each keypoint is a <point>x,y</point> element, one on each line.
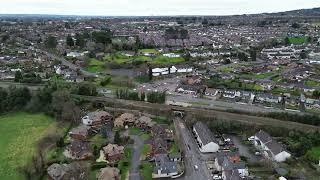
<point>151,7</point>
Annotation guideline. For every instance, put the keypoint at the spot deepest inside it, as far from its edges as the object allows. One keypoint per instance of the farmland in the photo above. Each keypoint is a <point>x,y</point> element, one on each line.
<point>19,135</point>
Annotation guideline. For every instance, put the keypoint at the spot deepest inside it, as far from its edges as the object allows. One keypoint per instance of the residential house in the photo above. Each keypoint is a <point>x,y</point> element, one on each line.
<point>231,164</point>
<point>144,123</point>
<point>108,173</point>
<point>193,80</point>
<point>159,146</point>
<point>80,133</point>
<point>74,170</point>
<point>206,140</point>
<point>231,175</point>
<point>74,79</point>
<point>162,131</point>
<point>164,167</point>
<point>125,119</point>
<point>270,148</point>
<point>221,157</point>
<point>188,89</point>
<point>79,150</point>
<point>172,55</point>
<point>113,152</point>
<point>97,118</point>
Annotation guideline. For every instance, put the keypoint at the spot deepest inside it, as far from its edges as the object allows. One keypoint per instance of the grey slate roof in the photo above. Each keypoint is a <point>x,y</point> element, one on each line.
<point>273,145</point>
<point>232,175</point>
<point>164,164</point>
<point>204,133</point>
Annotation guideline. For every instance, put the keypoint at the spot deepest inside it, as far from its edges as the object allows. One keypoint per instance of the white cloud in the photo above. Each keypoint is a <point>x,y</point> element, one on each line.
<point>151,7</point>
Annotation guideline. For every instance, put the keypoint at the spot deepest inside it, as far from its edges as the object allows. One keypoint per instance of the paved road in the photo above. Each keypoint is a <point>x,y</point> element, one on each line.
<point>192,154</point>
<point>137,147</point>
<point>70,65</point>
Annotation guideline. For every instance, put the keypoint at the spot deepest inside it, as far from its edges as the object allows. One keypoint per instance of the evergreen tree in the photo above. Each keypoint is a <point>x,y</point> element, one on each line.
<point>70,41</point>
<point>18,76</point>
<point>117,138</point>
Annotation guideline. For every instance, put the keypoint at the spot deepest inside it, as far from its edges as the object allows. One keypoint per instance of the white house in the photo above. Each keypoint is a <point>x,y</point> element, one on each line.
<point>206,140</point>
<point>171,70</point>
<point>172,55</point>
<point>269,147</point>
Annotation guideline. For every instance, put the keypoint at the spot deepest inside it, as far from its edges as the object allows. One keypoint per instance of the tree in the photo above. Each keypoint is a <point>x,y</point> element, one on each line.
<point>316,94</point>
<point>51,42</point>
<point>117,138</point>
<point>103,37</point>
<point>80,40</point>
<point>18,76</point>
<point>105,81</point>
<point>287,41</point>
<point>303,54</point>
<point>295,25</point>
<point>70,41</point>
<point>253,54</point>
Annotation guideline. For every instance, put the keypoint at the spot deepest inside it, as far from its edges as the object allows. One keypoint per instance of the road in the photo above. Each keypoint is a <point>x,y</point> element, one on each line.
<point>137,147</point>
<point>69,64</point>
<point>192,154</point>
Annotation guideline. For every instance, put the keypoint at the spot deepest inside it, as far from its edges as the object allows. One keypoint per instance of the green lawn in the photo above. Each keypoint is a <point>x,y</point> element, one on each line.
<point>166,60</point>
<point>95,62</point>
<point>311,83</point>
<point>174,149</point>
<point>148,51</point>
<point>146,150</point>
<point>146,170</point>
<point>298,40</point>
<point>314,154</point>
<point>19,135</point>
<point>145,136</point>
<point>135,131</point>
<point>122,59</point>
<point>257,76</point>
<point>161,120</point>
<point>124,164</point>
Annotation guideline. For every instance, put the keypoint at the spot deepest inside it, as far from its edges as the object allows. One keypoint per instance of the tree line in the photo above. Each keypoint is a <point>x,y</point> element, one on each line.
<point>152,97</point>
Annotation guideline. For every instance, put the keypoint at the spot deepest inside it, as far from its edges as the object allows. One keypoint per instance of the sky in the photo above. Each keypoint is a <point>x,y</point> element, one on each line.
<point>151,7</point>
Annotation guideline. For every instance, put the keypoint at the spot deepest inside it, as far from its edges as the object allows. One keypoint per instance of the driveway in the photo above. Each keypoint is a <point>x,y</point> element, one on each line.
<point>135,161</point>
<point>244,149</point>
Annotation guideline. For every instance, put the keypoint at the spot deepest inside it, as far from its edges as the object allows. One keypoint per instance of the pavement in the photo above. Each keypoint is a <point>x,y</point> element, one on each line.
<point>137,147</point>
<point>192,154</point>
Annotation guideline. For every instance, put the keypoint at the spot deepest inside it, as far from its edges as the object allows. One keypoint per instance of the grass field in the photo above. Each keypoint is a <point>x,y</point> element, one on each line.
<point>148,51</point>
<point>95,66</point>
<point>298,40</point>
<point>311,83</point>
<point>122,59</point>
<point>19,135</point>
<point>257,76</point>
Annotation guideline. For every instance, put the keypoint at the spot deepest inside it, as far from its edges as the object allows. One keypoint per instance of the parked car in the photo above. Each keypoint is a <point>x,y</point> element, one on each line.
<point>196,167</point>
<point>216,177</point>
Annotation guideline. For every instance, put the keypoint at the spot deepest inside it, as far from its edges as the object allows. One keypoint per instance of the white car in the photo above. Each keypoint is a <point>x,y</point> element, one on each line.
<point>196,167</point>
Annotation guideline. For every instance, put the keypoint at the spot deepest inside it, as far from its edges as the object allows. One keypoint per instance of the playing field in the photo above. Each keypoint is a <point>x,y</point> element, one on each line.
<point>298,40</point>
<point>19,135</point>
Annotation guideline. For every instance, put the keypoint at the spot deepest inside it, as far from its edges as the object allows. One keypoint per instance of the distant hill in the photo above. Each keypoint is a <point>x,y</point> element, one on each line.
<point>299,12</point>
